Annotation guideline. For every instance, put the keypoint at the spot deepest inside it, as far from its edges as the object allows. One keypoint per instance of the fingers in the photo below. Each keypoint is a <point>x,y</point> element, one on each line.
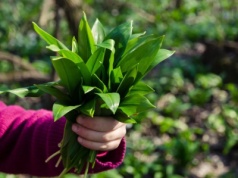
<point>108,146</point>
<point>102,124</point>
<point>99,133</point>
<point>99,136</point>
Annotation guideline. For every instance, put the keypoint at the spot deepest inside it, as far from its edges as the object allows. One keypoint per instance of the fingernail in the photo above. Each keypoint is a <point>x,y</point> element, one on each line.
<point>80,139</point>
<point>74,128</point>
<point>79,119</point>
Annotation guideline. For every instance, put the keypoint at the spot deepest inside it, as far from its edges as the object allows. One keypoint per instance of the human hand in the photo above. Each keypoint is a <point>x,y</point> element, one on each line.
<point>99,133</point>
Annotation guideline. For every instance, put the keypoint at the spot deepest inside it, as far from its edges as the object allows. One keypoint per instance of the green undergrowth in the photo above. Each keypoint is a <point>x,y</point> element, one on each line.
<point>195,119</point>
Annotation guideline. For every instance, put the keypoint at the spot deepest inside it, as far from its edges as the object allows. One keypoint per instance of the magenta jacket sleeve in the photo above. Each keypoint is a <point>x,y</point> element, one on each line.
<point>29,137</point>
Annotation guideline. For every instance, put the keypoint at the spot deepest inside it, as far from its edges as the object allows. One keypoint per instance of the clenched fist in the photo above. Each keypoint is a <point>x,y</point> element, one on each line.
<point>99,133</point>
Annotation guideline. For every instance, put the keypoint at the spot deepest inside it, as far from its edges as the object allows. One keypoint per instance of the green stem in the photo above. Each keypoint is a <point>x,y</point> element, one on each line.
<point>86,170</point>
<point>92,157</point>
<point>63,172</point>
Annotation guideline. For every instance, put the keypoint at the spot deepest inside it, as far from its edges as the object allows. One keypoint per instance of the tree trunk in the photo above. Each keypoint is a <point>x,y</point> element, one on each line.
<point>178,4</point>
<point>73,11</point>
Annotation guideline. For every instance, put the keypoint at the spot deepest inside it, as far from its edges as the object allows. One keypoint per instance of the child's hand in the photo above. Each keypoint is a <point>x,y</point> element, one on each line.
<point>99,133</point>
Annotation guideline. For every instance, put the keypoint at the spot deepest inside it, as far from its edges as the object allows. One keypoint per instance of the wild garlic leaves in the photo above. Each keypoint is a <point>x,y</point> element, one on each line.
<point>110,64</point>
<point>100,75</point>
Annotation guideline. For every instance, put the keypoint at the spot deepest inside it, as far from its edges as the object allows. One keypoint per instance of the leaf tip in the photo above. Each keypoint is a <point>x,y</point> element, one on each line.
<point>34,24</point>
<point>84,15</point>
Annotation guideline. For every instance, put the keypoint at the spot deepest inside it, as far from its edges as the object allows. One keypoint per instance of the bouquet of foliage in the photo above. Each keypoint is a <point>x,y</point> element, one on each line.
<point>101,75</point>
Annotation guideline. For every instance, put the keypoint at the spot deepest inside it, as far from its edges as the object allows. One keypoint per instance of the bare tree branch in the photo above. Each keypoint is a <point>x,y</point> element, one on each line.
<point>22,76</point>
<point>16,60</point>
<point>27,72</point>
<point>73,11</point>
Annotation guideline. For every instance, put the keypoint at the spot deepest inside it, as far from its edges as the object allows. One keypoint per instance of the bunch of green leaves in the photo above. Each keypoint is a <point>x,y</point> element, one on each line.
<point>101,75</point>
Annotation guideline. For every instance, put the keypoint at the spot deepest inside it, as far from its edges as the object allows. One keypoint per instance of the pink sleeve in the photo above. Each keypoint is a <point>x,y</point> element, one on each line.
<point>28,138</point>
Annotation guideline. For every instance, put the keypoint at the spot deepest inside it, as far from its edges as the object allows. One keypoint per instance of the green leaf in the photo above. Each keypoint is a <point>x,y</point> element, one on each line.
<point>127,81</point>
<point>97,82</point>
<point>112,100</point>
<point>74,45</point>
<point>53,47</point>
<point>61,109</point>
<point>116,78</point>
<point>135,42</point>
<point>141,88</point>
<point>68,72</point>
<point>152,47</point>
<point>74,57</point>
<point>134,104</point>
<point>121,34</point>
<point>88,89</point>
<point>88,108</point>
<point>110,68</point>
<point>50,89</point>
<point>137,35</point>
<point>31,91</point>
<point>96,60</point>
<point>109,58</point>
<point>85,73</point>
<point>108,44</point>
<point>55,44</point>
<point>160,56</point>
<point>143,54</point>
<point>98,32</point>
<point>86,44</point>
<point>122,117</point>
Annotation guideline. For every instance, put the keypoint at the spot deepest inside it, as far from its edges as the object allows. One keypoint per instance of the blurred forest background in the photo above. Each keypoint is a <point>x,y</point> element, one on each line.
<point>193,132</point>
